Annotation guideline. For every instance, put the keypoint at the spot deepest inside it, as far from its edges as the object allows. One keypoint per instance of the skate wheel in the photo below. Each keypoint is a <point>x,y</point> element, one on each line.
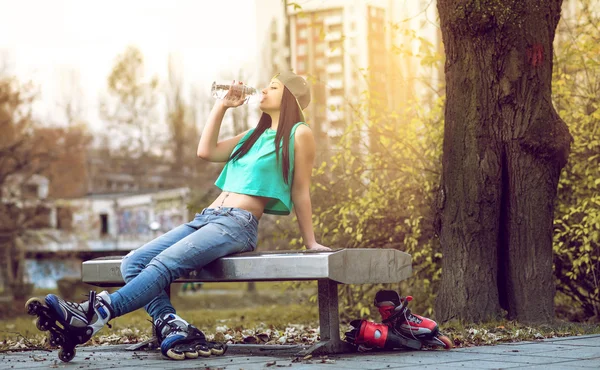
<point>193,354</point>
<point>175,355</point>
<point>205,352</point>
<point>41,324</point>
<point>56,340</point>
<point>66,355</point>
<point>447,342</point>
<point>217,351</point>
<point>33,306</point>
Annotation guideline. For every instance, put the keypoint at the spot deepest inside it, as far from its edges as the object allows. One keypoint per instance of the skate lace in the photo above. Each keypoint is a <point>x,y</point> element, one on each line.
<point>156,332</point>
<point>412,318</point>
<point>409,317</point>
<point>158,329</point>
<point>176,328</point>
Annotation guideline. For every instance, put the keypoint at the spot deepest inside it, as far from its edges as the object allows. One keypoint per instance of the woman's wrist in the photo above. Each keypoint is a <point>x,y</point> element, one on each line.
<point>220,105</point>
<point>311,244</point>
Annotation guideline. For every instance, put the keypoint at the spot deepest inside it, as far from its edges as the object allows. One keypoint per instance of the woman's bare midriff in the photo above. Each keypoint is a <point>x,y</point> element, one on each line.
<point>253,204</point>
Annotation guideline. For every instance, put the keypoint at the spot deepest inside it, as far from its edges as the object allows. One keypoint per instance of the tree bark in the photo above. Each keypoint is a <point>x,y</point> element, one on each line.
<point>504,148</point>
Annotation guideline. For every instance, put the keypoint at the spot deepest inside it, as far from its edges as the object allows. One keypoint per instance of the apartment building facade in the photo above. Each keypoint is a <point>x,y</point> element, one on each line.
<point>349,50</point>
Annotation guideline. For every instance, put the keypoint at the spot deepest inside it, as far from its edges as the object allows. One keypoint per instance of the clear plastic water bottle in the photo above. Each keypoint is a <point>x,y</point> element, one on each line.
<point>220,89</point>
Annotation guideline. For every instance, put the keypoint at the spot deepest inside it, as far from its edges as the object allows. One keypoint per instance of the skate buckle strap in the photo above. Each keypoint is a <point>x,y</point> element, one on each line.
<point>99,305</point>
<point>91,302</point>
<point>160,325</point>
<point>101,310</point>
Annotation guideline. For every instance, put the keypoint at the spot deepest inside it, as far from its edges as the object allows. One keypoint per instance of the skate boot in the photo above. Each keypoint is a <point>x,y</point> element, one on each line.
<point>395,313</point>
<point>367,335</point>
<point>70,323</point>
<point>178,339</point>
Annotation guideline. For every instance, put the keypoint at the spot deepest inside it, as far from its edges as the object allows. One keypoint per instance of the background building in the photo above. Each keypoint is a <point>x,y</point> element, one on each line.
<point>349,50</point>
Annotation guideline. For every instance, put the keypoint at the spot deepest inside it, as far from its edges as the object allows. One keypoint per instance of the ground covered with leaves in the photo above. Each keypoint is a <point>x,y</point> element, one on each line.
<point>271,315</point>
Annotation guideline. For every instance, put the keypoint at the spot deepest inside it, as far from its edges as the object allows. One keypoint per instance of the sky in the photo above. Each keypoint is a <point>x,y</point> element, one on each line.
<point>48,41</point>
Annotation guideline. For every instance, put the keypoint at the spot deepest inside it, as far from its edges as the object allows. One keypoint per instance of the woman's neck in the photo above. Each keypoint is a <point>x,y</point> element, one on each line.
<point>274,120</point>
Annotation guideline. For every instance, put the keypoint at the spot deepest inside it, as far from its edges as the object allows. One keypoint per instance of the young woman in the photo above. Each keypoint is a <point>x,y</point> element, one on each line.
<point>268,170</point>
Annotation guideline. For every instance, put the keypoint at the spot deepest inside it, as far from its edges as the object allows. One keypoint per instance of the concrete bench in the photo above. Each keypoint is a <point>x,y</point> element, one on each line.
<point>345,266</point>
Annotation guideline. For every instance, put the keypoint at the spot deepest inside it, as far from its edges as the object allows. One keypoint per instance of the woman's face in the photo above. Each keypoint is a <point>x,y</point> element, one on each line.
<point>271,99</point>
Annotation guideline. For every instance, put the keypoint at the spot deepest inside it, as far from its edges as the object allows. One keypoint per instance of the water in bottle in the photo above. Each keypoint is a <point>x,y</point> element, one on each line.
<point>220,89</point>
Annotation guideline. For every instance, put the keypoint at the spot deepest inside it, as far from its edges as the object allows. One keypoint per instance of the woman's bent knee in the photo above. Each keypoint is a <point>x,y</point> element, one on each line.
<point>170,273</point>
<point>131,266</point>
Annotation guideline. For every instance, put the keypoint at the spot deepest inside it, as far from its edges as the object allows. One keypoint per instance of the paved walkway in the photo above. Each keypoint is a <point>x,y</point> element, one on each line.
<point>560,353</point>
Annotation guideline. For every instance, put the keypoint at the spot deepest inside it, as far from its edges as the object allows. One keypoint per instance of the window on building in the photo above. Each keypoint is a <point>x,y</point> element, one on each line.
<point>30,191</point>
<point>103,224</point>
<point>337,91</point>
<point>335,28</point>
<point>301,49</point>
<point>335,44</point>
<point>320,48</point>
<point>303,33</point>
<point>338,122</point>
<point>301,19</point>
<point>301,66</point>
<point>336,60</point>
<point>318,32</point>
<point>320,63</point>
<point>64,218</point>
<point>38,216</point>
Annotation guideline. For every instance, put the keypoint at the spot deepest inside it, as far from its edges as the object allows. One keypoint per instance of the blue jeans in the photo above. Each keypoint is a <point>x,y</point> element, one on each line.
<point>148,270</point>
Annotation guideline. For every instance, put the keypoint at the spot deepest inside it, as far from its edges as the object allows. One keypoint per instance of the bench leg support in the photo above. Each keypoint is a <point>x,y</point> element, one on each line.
<point>329,322</point>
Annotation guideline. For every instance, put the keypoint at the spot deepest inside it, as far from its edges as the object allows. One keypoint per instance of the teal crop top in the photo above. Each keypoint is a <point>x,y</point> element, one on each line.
<point>258,173</point>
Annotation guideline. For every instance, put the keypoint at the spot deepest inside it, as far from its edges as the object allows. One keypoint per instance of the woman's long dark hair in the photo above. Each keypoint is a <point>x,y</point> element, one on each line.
<point>289,115</point>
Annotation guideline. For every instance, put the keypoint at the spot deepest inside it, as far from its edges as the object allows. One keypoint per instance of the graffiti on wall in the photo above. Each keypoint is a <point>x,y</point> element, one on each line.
<point>133,221</point>
<point>168,213</point>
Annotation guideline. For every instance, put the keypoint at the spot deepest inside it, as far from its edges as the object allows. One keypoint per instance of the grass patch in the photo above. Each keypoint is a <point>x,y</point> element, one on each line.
<point>216,307</point>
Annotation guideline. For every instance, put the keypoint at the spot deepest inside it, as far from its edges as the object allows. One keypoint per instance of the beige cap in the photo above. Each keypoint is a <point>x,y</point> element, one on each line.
<point>297,86</point>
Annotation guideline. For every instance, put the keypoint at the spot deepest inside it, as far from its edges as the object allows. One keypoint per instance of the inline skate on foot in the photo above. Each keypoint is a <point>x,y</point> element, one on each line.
<point>179,340</point>
<point>68,323</point>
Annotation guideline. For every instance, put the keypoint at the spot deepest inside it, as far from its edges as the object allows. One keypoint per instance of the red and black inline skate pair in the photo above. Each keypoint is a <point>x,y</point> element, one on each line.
<point>399,328</point>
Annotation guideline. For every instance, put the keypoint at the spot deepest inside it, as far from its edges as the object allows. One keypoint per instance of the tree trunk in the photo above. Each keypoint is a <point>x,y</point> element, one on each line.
<point>504,148</point>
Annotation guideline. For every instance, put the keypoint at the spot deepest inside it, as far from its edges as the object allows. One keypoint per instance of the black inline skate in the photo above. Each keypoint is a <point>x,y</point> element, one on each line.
<point>179,340</point>
<point>70,323</point>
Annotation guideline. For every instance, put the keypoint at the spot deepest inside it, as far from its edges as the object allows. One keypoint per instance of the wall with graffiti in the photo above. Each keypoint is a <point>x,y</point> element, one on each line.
<point>104,222</point>
<point>133,221</point>
<point>116,221</point>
